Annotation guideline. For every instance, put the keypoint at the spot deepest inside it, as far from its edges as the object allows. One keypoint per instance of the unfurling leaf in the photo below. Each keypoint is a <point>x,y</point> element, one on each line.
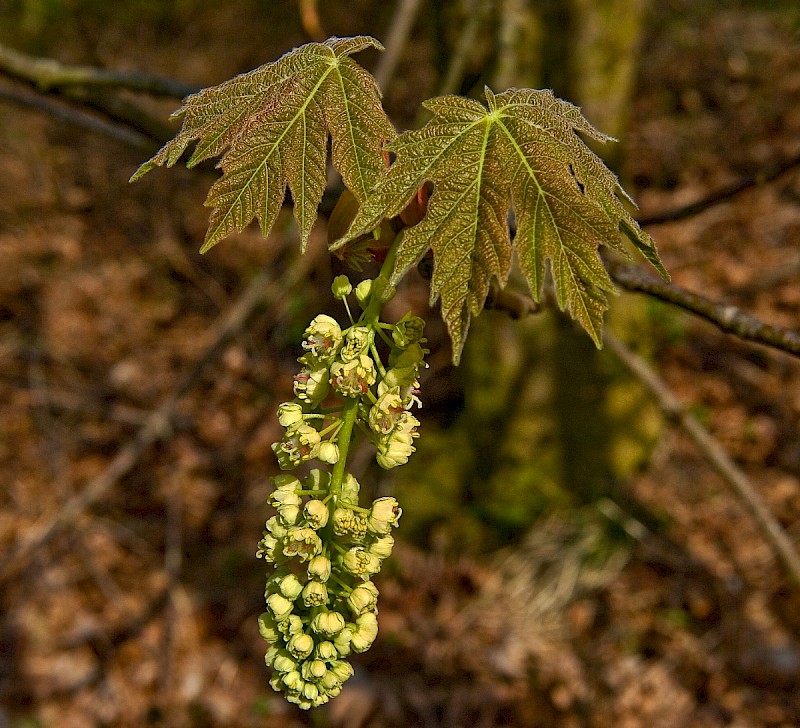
<point>271,127</point>
<point>521,152</point>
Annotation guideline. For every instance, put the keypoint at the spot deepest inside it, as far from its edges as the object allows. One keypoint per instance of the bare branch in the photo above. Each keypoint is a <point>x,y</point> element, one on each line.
<point>405,13</point>
<point>768,174</point>
<point>476,13</point>
<point>59,109</point>
<point>714,453</point>
<point>48,75</point>
<point>728,318</point>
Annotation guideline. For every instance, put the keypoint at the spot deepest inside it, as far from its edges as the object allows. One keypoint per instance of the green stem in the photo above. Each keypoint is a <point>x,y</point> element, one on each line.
<point>343,441</point>
<point>382,285</point>
<point>381,292</point>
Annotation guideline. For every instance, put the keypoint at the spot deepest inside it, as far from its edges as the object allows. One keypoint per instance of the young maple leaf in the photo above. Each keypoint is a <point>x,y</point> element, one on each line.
<point>271,127</point>
<point>523,151</point>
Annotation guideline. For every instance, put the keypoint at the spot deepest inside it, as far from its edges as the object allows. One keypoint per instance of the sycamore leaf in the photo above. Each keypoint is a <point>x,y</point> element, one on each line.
<point>521,152</point>
<point>271,127</point>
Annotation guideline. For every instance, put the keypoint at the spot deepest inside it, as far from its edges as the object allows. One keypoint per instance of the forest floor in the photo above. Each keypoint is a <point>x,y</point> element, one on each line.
<point>140,609</point>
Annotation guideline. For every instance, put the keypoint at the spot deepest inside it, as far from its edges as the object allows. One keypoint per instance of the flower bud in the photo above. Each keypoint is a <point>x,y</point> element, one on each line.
<point>316,513</point>
<point>329,682</point>
<point>384,514</point>
<point>342,669</point>
<point>293,680</point>
<point>341,287</point>
<point>290,413</point>
<point>319,568</point>
<point>328,452</point>
<point>280,606</point>
<point>363,598</point>
<point>381,547</point>
<point>315,594</point>
<point>289,515</point>
<point>365,632</point>
<point>283,662</point>
<point>328,624</point>
<point>300,645</point>
<point>267,627</point>
<point>350,488</point>
<point>360,563</point>
<point>281,497</point>
<point>276,527</point>
<point>293,625</point>
<point>342,641</point>
<point>346,522</point>
<point>396,448</point>
<point>313,670</point>
<point>290,586</point>
<point>326,650</point>
<point>363,290</point>
<point>310,692</point>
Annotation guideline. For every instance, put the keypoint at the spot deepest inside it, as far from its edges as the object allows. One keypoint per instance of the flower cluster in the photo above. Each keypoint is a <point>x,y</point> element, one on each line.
<point>325,547</point>
<point>321,604</point>
<point>346,364</point>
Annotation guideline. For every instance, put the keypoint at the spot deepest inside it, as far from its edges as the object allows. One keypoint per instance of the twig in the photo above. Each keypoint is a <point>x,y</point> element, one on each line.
<point>510,28</point>
<point>48,75</point>
<point>59,109</point>
<point>728,318</point>
<point>767,174</point>
<point>476,11</point>
<point>157,426</point>
<point>714,453</point>
<point>405,13</point>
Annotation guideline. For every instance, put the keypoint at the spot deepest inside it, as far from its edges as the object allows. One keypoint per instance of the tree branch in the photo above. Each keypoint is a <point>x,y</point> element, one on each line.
<point>48,75</point>
<point>714,453</point>
<point>768,174</point>
<point>405,13</point>
<point>60,109</point>
<point>728,318</point>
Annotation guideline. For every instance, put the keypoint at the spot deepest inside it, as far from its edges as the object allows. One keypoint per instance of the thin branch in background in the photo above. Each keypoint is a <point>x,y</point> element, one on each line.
<point>62,111</point>
<point>309,19</point>
<point>158,424</point>
<point>713,452</point>
<point>405,13</point>
<point>728,318</point>
<point>768,174</point>
<point>511,24</point>
<point>47,74</point>
<point>476,13</point>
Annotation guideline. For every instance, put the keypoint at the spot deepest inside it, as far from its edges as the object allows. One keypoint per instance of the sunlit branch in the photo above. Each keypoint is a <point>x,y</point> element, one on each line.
<point>768,174</point>
<point>714,453</point>
<point>728,318</point>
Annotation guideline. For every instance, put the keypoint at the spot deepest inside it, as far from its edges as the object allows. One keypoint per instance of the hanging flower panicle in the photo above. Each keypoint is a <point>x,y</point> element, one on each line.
<point>324,547</point>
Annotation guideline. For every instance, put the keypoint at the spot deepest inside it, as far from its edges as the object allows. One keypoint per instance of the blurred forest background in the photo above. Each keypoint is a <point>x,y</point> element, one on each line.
<point>589,538</point>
